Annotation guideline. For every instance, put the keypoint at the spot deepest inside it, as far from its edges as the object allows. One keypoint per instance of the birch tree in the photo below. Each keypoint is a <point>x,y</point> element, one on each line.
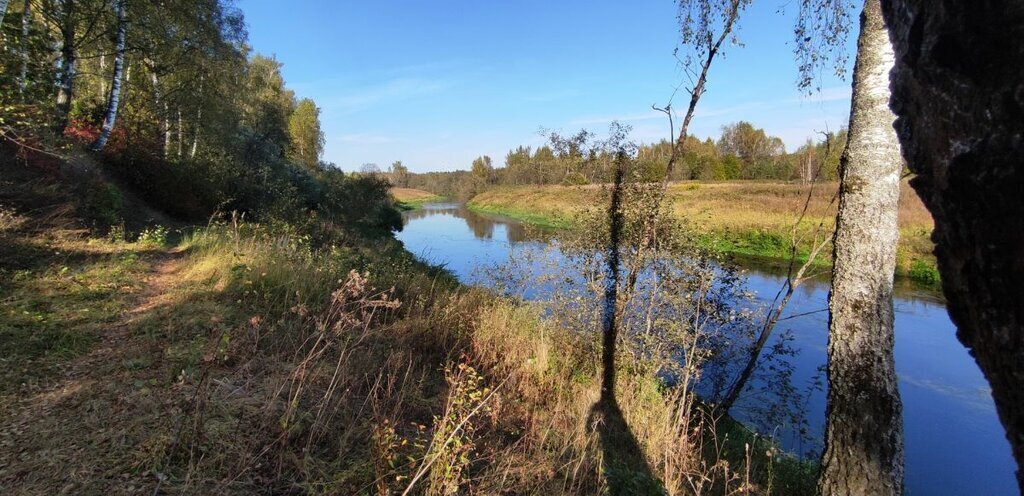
<point>307,140</point>
<point>115,83</point>
<point>864,430</point>
<point>26,21</point>
<point>68,60</point>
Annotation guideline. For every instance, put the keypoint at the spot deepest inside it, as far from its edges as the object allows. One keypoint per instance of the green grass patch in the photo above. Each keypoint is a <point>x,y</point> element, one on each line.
<point>407,205</point>
<point>57,311</point>
<point>529,217</point>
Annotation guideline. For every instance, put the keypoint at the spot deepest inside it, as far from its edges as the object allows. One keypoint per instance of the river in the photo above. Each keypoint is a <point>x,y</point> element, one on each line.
<point>955,444</point>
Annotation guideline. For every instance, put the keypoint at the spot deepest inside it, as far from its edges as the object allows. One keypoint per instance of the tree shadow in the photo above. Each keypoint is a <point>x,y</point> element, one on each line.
<point>624,467</point>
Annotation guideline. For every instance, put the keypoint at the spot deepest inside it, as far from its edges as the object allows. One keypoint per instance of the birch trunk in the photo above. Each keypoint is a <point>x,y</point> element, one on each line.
<point>115,82</point>
<point>199,120</point>
<point>181,133</point>
<point>26,19</point>
<point>165,128</point>
<point>68,60</point>
<point>864,428</point>
<point>958,95</point>
<point>195,133</point>
<point>103,83</point>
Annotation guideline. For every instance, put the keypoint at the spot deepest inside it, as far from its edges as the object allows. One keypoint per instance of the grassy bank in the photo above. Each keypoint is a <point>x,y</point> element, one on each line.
<point>747,218</point>
<point>243,359</point>
<point>411,199</point>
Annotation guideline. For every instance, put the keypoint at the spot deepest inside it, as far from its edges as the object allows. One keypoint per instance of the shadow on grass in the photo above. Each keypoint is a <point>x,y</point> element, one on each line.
<point>624,466</point>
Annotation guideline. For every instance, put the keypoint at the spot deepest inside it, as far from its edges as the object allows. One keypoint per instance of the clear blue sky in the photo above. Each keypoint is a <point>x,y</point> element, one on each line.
<point>435,84</point>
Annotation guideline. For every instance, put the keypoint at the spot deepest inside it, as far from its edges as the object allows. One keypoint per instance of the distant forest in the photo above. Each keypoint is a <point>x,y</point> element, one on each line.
<point>743,151</point>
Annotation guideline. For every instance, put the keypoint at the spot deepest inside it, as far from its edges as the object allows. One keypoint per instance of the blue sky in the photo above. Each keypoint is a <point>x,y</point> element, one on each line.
<point>435,84</point>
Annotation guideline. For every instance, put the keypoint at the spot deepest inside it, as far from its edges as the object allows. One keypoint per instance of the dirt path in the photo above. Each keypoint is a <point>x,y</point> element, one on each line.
<point>98,429</point>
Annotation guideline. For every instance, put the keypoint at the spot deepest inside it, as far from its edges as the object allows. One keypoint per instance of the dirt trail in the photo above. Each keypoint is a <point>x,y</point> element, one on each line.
<point>98,429</point>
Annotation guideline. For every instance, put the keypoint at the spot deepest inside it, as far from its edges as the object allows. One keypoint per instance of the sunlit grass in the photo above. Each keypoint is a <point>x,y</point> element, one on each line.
<point>411,199</point>
<point>750,218</point>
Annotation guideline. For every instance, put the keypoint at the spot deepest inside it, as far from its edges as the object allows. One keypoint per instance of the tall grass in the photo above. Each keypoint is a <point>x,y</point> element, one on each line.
<point>341,371</point>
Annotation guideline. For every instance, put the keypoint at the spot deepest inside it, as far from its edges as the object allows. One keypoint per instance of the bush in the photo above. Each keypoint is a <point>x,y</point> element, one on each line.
<point>924,272</point>
<point>155,236</point>
<point>103,202</point>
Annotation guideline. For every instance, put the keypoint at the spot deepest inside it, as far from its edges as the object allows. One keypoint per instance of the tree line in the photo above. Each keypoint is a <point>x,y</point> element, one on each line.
<point>743,151</point>
<point>173,102</point>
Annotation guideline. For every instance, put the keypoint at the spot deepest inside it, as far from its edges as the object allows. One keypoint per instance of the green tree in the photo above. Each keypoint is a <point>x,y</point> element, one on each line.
<point>399,174</point>
<point>307,140</point>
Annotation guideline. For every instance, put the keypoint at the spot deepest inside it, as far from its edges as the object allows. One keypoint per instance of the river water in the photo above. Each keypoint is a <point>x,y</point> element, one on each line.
<point>954,442</point>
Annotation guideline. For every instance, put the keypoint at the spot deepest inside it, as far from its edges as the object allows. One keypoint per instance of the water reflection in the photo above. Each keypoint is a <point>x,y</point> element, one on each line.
<point>954,442</point>
<point>483,226</point>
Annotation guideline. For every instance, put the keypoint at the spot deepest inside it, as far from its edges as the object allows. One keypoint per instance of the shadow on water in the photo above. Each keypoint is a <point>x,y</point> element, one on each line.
<point>624,467</point>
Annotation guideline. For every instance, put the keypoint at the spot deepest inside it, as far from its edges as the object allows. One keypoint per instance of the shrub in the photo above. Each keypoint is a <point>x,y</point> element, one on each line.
<point>103,202</point>
<point>923,272</point>
<point>155,236</point>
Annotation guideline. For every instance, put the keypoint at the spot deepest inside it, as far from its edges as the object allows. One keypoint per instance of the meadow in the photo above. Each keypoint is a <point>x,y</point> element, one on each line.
<point>744,218</point>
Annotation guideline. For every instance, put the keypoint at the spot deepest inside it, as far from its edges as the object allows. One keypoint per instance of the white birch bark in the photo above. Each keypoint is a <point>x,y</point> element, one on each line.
<point>115,83</point>
<point>864,428</point>
<point>181,133</point>
<point>68,66</point>
<point>26,20</point>
<point>199,120</point>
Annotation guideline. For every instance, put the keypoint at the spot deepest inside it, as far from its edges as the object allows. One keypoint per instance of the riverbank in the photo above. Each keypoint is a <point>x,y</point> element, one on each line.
<point>234,361</point>
<point>412,199</point>
<point>745,218</point>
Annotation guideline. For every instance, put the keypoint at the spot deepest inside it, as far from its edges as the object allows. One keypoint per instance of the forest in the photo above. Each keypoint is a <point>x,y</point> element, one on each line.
<point>195,300</point>
<point>742,152</point>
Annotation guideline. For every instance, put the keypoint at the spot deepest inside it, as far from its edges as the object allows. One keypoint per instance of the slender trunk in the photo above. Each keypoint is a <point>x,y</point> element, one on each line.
<point>181,133</point>
<point>3,10</point>
<point>199,120</point>
<point>103,82</point>
<point>26,20</point>
<point>864,425</point>
<point>165,128</point>
<point>115,82</point>
<point>957,91</point>
<point>679,144</point>
<point>66,85</point>
<point>195,133</point>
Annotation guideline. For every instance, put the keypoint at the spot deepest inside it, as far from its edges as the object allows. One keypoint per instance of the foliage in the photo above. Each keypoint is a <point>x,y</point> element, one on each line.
<point>204,126</point>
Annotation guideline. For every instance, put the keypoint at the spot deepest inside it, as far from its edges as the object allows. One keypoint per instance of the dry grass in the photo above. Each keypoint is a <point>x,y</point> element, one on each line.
<point>744,217</point>
<point>254,365</point>
<point>413,197</point>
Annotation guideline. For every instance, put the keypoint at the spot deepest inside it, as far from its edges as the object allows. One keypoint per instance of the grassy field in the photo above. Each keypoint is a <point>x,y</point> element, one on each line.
<point>748,218</point>
<point>411,199</point>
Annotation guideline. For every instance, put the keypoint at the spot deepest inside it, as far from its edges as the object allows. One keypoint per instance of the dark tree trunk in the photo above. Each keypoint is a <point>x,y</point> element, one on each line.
<point>864,425</point>
<point>958,92</point>
<point>611,304</point>
<point>115,83</point>
<point>68,61</point>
